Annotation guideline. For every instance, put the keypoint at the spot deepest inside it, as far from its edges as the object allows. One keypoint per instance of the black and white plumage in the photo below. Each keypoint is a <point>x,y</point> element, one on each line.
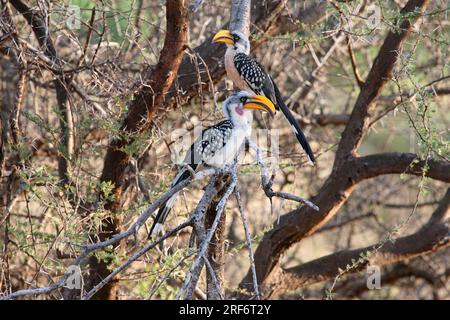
<point>247,74</point>
<point>214,138</point>
<point>250,71</point>
<point>218,144</point>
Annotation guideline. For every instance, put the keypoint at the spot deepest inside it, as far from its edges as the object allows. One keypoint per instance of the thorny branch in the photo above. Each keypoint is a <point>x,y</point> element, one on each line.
<point>196,221</point>
<point>301,222</point>
<point>37,22</point>
<point>267,183</point>
<point>133,229</point>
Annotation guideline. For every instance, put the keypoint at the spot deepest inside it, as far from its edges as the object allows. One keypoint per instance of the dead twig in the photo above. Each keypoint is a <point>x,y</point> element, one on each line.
<point>267,183</point>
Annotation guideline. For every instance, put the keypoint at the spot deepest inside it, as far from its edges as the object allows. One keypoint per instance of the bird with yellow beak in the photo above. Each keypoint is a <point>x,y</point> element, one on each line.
<point>219,144</point>
<point>247,74</point>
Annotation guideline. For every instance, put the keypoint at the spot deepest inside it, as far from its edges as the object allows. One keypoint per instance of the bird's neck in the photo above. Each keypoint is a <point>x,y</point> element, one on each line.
<point>234,50</point>
<point>244,121</point>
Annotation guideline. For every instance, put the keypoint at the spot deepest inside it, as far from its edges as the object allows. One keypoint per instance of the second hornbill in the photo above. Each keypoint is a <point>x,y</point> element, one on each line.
<point>247,74</point>
<point>218,145</point>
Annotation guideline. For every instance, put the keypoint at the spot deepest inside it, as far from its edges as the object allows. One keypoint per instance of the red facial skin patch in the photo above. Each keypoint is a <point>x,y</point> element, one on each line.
<point>239,111</point>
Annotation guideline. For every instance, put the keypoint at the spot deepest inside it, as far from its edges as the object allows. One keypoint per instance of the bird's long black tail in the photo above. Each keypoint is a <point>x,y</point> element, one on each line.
<point>294,124</point>
<point>165,208</point>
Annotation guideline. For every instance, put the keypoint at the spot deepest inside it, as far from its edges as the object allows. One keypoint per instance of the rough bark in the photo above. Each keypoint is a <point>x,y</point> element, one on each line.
<point>432,236</point>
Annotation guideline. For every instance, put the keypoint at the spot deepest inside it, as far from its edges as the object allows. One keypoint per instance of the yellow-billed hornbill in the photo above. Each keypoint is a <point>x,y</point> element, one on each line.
<point>218,144</point>
<point>247,74</point>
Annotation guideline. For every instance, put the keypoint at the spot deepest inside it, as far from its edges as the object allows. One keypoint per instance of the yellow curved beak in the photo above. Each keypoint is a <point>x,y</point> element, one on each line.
<point>260,103</point>
<point>223,36</point>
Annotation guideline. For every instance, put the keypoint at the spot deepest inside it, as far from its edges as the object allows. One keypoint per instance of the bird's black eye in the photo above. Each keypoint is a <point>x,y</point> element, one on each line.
<point>243,99</point>
<point>236,38</point>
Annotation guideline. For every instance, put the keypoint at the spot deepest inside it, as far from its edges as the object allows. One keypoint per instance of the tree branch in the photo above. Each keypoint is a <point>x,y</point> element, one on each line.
<point>431,237</point>
<point>300,223</point>
<point>141,112</point>
<point>379,75</point>
<point>354,287</point>
<point>215,254</point>
<point>39,26</point>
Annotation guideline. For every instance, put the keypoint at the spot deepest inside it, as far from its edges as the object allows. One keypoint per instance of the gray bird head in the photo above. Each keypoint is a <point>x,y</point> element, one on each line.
<point>239,105</point>
<point>234,39</point>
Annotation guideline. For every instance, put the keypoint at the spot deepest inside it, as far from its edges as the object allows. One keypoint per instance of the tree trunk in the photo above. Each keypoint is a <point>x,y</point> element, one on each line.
<point>141,112</point>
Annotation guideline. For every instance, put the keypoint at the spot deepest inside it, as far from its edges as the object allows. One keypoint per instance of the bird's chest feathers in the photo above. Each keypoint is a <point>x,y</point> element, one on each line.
<point>229,151</point>
<point>232,73</point>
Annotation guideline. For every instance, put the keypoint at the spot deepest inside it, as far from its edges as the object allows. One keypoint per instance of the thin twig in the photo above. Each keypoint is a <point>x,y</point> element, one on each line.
<point>249,243</point>
<point>267,184</point>
<point>134,257</point>
<point>164,279</point>
<point>88,248</point>
<point>358,78</point>
<point>212,273</point>
<point>195,5</point>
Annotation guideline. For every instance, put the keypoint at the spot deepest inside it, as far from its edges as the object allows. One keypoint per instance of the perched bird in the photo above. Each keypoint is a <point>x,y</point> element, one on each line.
<point>247,74</point>
<point>218,144</point>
